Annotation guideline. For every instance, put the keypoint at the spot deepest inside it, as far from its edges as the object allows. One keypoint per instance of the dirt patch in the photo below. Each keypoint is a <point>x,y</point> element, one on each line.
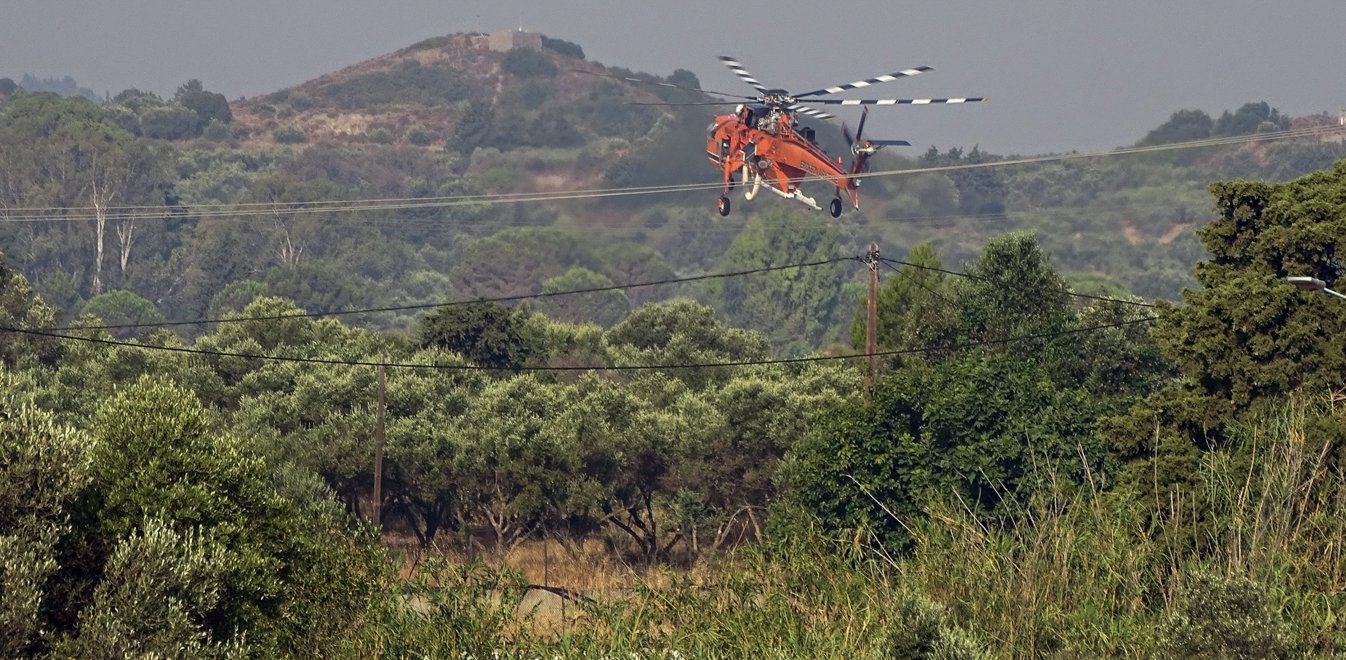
<point>1173,232</point>
<point>353,123</point>
<point>1132,234</point>
<point>552,182</point>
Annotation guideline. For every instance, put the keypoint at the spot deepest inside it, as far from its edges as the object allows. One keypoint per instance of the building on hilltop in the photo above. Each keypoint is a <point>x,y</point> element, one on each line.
<point>507,41</point>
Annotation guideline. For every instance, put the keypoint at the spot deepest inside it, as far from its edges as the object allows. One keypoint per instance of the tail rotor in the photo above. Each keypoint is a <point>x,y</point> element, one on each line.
<point>862,149</point>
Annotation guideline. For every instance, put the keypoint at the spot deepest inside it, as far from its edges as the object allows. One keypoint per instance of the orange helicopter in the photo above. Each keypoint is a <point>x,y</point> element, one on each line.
<point>764,141</point>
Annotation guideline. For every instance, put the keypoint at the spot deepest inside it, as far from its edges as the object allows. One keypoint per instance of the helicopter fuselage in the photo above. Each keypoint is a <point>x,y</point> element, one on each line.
<point>764,145</point>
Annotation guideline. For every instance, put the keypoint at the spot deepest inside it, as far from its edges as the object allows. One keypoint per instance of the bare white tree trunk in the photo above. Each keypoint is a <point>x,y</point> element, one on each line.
<point>125,236</point>
<point>290,252</point>
<point>100,222</point>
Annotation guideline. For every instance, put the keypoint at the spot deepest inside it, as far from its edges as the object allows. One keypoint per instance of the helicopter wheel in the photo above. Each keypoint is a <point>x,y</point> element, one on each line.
<point>724,206</point>
<point>835,207</point>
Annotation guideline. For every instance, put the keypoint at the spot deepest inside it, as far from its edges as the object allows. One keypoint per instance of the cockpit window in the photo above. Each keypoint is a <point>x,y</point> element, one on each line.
<point>710,130</point>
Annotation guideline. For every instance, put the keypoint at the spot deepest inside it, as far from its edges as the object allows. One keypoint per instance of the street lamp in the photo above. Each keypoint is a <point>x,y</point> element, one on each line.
<point>1313,284</point>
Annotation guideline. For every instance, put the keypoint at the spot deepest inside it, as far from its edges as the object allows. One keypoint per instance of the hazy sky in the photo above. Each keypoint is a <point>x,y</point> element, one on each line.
<point>1061,74</point>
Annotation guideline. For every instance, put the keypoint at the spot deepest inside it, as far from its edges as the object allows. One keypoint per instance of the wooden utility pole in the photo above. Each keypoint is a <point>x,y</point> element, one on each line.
<point>872,320</point>
<point>378,454</point>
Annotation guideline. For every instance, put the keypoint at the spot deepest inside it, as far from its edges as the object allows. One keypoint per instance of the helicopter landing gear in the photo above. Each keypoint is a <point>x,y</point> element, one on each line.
<point>724,206</point>
<point>835,207</point>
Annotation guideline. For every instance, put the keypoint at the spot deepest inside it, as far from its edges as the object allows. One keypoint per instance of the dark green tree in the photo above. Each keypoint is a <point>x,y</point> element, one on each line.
<point>1245,333</point>
<point>277,566</point>
<point>683,328</point>
<point>488,334</point>
<point>1182,126</point>
<point>563,47</point>
<point>1245,336</point>
<point>526,62</point>
<point>683,332</point>
<point>1251,118</point>
<point>123,308</point>
<point>981,190</point>
<point>234,297</point>
<point>977,429</point>
<point>170,122</point>
<point>475,127</point>
<point>207,106</point>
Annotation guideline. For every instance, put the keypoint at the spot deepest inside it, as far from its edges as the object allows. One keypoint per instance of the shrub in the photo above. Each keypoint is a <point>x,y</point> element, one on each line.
<point>1226,617</point>
<point>381,135</point>
<point>432,43</point>
<point>216,131</point>
<point>207,106</point>
<point>289,135</point>
<point>124,118</point>
<point>534,94</point>
<point>419,136</point>
<point>528,63</point>
<point>301,101</point>
<point>170,122</point>
<point>563,47</point>
<point>409,82</point>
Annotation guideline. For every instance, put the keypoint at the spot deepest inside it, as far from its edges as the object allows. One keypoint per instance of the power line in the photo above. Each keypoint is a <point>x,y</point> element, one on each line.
<point>453,303</point>
<point>389,201</point>
<point>635,367</point>
<point>166,213</point>
<point>992,281</point>
<point>38,214</point>
<point>700,222</point>
<point>909,278</point>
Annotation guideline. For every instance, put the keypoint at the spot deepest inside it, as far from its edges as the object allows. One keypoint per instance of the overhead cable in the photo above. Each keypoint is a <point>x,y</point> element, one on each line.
<point>452,303</point>
<point>51,214</point>
<point>1068,292</point>
<point>629,367</point>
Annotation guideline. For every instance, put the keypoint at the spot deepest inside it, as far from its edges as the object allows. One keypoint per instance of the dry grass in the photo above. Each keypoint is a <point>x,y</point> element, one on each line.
<point>591,567</point>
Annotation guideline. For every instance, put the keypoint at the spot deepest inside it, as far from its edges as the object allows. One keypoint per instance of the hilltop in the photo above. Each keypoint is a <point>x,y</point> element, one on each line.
<point>464,92</point>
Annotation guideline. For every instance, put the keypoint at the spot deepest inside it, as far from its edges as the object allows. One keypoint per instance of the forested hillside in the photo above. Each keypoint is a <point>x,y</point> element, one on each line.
<point>214,315</point>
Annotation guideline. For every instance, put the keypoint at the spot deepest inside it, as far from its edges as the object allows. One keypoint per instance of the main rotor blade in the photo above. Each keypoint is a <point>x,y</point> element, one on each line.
<point>687,103</point>
<point>887,77</point>
<point>889,143</point>
<point>664,84</point>
<point>978,99</point>
<point>805,110</point>
<point>741,72</point>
